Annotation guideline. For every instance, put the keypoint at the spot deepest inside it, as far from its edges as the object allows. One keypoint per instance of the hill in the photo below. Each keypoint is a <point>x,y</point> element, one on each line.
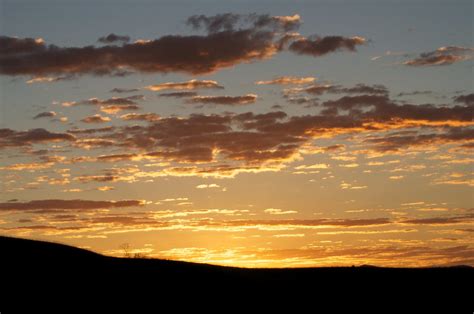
<point>36,267</point>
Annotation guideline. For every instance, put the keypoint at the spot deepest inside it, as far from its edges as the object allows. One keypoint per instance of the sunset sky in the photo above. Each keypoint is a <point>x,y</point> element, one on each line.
<point>244,133</point>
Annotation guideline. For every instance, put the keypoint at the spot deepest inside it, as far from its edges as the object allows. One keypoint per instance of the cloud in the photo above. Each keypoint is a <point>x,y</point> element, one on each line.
<point>192,84</point>
<point>416,93</point>
<point>207,186</point>
<point>178,94</point>
<point>141,117</point>
<point>49,79</point>
<point>12,138</point>
<point>223,100</point>
<point>229,21</point>
<point>397,142</point>
<point>195,54</point>
<point>442,56</point>
<point>304,223</point>
<point>114,101</point>
<point>225,144</point>
<point>319,46</point>
<point>242,142</point>
<point>465,99</point>
<point>277,211</point>
<point>319,89</point>
<point>96,178</point>
<point>112,38</point>
<point>124,90</point>
<point>92,131</point>
<point>384,109</point>
<point>28,166</point>
<point>15,45</point>
<point>315,166</point>
<point>229,40</point>
<point>46,114</point>
<point>440,220</point>
<point>288,80</point>
<point>111,109</point>
<point>396,177</point>
<point>95,119</point>
<point>75,204</point>
<point>349,186</point>
<point>117,157</point>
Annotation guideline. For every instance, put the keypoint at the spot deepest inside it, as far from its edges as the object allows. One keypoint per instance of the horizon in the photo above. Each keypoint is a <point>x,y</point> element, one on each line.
<point>287,135</point>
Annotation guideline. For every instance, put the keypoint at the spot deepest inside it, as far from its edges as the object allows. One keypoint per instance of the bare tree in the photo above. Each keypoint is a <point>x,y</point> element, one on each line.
<point>125,247</point>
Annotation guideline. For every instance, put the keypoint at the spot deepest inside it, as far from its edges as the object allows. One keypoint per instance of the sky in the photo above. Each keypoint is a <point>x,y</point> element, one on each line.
<point>242,133</point>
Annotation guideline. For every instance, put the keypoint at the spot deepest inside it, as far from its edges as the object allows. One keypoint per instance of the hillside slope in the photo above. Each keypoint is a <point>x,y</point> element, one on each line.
<point>32,266</point>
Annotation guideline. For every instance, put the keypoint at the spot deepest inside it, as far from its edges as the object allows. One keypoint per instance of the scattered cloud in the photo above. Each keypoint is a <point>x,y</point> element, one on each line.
<point>75,204</point>
<point>178,94</point>
<point>114,101</point>
<point>141,116</point>
<point>318,46</point>
<point>124,90</point>
<point>442,56</point>
<point>277,211</point>
<point>288,80</point>
<point>465,99</point>
<point>12,138</point>
<point>97,118</point>
<point>223,100</point>
<point>46,114</point>
<point>189,85</point>
<point>229,39</point>
<point>113,38</point>
<point>207,186</point>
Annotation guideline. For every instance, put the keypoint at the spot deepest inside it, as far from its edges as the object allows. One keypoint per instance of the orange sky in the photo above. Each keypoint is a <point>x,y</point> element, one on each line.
<point>242,140</point>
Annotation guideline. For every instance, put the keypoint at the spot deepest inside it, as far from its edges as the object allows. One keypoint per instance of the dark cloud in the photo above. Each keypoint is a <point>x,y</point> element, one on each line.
<point>381,108</point>
<point>197,137</point>
<point>223,100</point>
<point>214,24</point>
<point>415,93</point>
<point>465,99</point>
<point>249,139</point>
<point>196,54</point>
<point>442,56</point>
<point>319,89</point>
<point>46,114</point>
<point>112,38</point>
<point>305,101</point>
<point>115,101</point>
<point>440,220</point>
<point>179,94</point>
<point>229,40</point>
<point>14,45</point>
<point>96,178</point>
<point>397,142</point>
<point>76,204</point>
<point>12,138</point>
<point>124,90</point>
<point>91,131</point>
<point>229,22</point>
<point>333,148</point>
<point>319,46</point>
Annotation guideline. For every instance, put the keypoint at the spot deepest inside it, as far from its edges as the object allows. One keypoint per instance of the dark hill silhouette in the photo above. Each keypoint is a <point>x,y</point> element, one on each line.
<point>35,268</point>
